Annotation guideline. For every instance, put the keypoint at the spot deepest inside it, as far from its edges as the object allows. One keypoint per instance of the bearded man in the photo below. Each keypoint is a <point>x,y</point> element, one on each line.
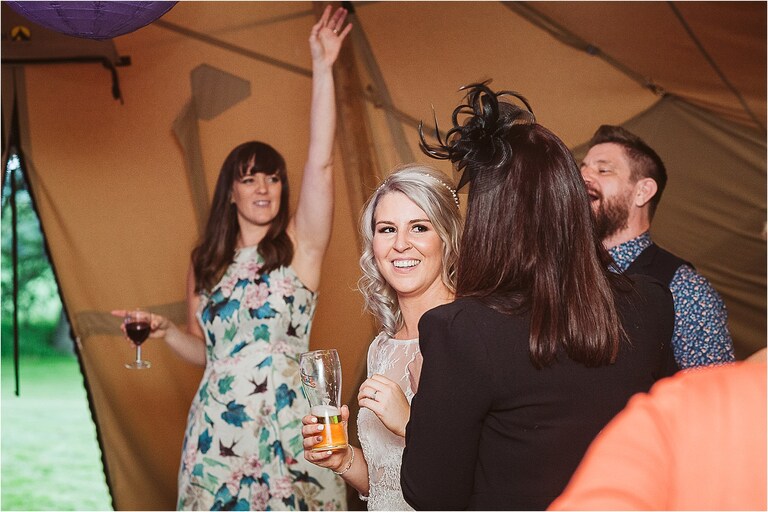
<point>625,179</point>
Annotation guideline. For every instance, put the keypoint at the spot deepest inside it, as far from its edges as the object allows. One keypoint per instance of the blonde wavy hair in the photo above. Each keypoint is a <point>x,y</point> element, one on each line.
<point>433,192</point>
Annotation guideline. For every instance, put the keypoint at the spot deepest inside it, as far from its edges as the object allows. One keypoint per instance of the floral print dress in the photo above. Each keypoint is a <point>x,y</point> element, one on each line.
<point>243,446</point>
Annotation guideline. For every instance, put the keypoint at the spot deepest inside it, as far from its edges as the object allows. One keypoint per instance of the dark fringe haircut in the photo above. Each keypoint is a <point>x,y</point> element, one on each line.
<point>216,250</point>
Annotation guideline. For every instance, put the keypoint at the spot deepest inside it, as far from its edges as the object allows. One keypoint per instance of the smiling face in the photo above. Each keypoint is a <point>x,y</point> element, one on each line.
<point>257,198</point>
<point>407,249</point>
<point>611,188</point>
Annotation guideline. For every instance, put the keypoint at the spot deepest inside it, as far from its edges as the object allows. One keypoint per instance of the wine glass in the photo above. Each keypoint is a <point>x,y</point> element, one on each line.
<point>137,328</point>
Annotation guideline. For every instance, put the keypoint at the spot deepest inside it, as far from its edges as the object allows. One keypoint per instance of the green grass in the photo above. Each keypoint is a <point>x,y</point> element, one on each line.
<point>34,339</point>
<point>49,454</point>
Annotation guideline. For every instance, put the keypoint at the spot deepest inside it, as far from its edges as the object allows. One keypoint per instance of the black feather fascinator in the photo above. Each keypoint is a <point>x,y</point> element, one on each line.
<point>478,143</point>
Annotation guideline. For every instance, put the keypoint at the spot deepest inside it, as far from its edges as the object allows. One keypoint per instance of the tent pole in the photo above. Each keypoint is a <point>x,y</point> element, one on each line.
<point>353,133</point>
<point>380,93</point>
<point>355,143</point>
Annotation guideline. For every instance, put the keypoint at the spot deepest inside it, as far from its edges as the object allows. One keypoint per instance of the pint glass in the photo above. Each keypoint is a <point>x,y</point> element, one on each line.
<point>321,381</point>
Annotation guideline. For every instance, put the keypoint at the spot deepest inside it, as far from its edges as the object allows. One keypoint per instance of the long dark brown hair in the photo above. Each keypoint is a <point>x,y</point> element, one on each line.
<point>530,232</point>
<point>216,250</point>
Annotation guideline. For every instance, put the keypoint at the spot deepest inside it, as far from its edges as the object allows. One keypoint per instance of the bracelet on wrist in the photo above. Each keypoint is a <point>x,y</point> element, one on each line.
<point>349,464</point>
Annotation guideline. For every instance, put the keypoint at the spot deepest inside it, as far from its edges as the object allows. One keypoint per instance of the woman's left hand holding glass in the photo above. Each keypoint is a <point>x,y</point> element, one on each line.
<point>387,401</point>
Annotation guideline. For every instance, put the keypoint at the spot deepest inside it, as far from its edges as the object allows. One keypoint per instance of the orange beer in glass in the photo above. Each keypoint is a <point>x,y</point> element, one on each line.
<point>334,431</point>
<point>321,382</point>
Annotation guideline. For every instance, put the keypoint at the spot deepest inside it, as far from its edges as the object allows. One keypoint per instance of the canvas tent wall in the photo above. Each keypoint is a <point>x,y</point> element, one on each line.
<point>121,188</point>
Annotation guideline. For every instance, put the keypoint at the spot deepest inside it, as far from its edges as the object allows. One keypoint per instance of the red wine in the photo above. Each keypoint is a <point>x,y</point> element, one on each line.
<point>137,331</point>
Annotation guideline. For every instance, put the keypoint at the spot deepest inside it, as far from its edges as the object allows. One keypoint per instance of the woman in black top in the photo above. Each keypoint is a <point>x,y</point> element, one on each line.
<point>544,344</point>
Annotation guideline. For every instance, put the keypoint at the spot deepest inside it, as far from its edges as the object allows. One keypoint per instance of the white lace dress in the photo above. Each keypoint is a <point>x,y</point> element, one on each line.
<point>399,360</point>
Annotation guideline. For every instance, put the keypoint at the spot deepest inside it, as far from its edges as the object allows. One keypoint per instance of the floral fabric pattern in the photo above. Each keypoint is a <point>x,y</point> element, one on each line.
<point>243,447</point>
<point>701,336</point>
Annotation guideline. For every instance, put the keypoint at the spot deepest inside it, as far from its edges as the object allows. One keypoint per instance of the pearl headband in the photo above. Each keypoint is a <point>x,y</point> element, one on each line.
<point>450,189</point>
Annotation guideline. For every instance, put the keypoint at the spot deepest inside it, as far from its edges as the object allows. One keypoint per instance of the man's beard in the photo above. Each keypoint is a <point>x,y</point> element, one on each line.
<point>611,216</point>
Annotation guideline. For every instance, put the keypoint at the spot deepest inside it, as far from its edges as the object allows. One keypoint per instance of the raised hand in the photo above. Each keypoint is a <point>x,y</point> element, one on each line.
<point>387,401</point>
<point>327,35</point>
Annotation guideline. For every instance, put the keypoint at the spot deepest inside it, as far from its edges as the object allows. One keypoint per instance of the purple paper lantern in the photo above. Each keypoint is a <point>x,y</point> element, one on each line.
<point>92,20</point>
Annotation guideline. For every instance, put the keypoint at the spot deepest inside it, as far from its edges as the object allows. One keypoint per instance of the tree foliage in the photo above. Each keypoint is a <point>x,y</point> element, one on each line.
<point>38,294</point>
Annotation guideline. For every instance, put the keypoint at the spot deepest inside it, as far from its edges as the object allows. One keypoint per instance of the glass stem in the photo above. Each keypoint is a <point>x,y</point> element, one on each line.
<point>138,353</point>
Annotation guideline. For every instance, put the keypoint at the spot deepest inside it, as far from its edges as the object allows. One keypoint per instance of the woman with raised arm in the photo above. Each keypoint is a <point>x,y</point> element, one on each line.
<point>410,229</point>
<point>543,344</point>
<point>251,296</point>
